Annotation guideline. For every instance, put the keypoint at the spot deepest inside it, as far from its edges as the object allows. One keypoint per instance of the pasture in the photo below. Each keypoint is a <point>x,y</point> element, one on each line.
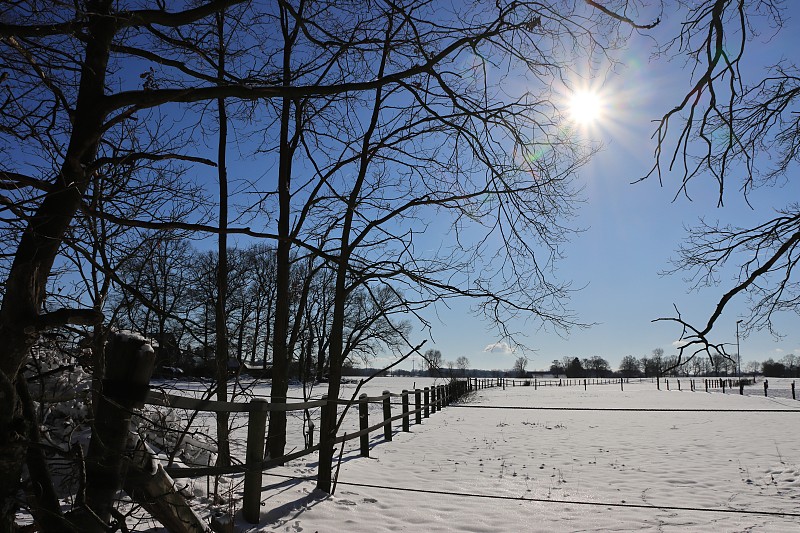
<point>550,459</point>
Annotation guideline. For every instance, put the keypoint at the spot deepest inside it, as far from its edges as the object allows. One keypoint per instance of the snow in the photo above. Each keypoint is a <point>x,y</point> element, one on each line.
<point>127,335</point>
<point>547,469</point>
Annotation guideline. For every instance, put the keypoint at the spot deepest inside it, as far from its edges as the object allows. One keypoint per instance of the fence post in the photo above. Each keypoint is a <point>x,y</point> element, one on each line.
<point>679,385</point>
<point>363,423</point>
<point>723,386</point>
<point>387,416</point>
<point>440,397</point>
<point>129,365</point>
<point>584,383</point>
<point>706,383</point>
<point>256,433</point>
<point>311,433</point>
<point>766,386</point>
<point>418,406</point>
<point>621,387</point>
<point>793,398</point>
<point>433,399</point>
<point>427,403</point>
<point>405,411</point>
<point>658,382</point>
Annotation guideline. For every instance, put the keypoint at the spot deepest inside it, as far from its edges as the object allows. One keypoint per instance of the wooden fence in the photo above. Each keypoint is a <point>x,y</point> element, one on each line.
<point>714,383</point>
<point>565,382</point>
<point>427,401</point>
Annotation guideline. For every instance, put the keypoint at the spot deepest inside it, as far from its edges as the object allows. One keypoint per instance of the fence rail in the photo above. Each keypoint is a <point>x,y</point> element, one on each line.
<point>428,400</point>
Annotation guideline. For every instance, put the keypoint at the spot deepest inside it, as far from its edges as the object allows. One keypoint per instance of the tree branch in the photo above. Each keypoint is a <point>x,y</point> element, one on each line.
<point>62,317</point>
<point>623,18</point>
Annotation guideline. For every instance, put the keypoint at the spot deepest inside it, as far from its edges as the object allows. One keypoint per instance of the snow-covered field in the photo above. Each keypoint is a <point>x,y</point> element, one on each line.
<point>512,460</point>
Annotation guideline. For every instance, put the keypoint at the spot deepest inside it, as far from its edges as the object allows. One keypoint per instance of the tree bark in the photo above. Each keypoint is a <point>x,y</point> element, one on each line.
<point>220,323</point>
<point>38,247</point>
<point>276,434</point>
<point>329,417</point>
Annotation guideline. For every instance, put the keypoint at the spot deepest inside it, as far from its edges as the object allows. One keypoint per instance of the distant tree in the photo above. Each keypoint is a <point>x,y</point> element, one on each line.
<point>433,359</point>
<point>630,367</point>
<point>658,353</point>
<point>673,366</point>
<point>722,364</point>
<point>752,367</point>
<point>770,368</point>
<point>462,363</point>
<point>556,368</point>
<point>654,365</point>
<point>597,366</point>
<point>519,366</point>
<point>574,369</point>
<point>792,364</point>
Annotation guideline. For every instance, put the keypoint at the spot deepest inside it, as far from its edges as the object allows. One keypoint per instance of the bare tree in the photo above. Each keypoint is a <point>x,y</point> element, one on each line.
<point>462,363</point>
<point>598,366</point>
<point>739,127</point>
<point>433,360</point>
<point>439,143</point>
<point>630,367</point>
<point>519,366</point>
<point>63,112</point>
<point>395,128</point>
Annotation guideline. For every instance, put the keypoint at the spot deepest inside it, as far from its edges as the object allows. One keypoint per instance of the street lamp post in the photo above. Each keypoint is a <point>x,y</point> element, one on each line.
<point>738,354</point>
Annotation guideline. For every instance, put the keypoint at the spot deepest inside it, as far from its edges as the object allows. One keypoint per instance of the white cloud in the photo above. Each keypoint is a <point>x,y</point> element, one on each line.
<point>778,350</point>
<point>680,342</point>
<point>499,347</point>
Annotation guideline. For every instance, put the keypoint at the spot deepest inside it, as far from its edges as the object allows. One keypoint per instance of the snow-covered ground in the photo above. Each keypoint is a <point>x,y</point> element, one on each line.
<point>511,460</point>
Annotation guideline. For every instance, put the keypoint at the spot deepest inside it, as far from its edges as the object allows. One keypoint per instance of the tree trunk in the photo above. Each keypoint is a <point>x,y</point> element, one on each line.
<point>328,423</point>
<point>329,415</point>
<point>38,247</point>
<point>150,486</point>
<point>220,325</point>
<point>276,435</point>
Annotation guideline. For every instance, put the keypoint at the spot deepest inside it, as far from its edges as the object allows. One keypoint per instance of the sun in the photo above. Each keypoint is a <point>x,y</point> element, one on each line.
<point>586,107</point>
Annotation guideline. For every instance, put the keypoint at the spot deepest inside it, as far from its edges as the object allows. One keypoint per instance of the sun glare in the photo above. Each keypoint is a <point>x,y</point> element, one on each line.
<point>586,107</point>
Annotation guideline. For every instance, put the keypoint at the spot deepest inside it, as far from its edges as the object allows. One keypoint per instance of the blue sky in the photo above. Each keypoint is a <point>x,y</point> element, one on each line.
<point>632,231</point>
